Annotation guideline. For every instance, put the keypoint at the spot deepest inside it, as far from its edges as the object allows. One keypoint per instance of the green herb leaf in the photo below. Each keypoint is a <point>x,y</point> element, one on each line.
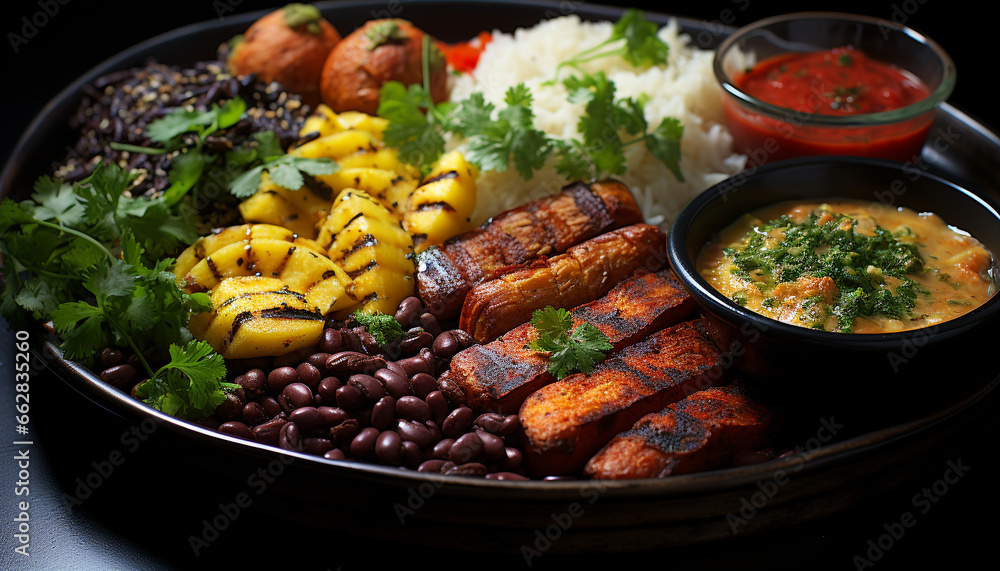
<point>191,385</point>
<point>568,352</point>
<point>383,327</point>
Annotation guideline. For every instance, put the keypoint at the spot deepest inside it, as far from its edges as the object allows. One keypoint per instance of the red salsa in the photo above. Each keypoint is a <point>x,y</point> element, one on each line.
<point>842,81</point>
<point>464,56</point>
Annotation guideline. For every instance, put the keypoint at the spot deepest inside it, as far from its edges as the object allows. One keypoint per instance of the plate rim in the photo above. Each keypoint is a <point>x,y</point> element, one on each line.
<point>707,481</point>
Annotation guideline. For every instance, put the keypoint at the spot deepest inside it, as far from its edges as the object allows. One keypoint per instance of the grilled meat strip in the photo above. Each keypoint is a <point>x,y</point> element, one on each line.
<point>498,376</point>
<point>584,273</point>
<point>702,432</point>
<point>567,421</point>
<point>543,227</point>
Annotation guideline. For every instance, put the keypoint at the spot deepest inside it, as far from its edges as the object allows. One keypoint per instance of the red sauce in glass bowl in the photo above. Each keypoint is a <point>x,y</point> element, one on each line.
<point>840,82</point>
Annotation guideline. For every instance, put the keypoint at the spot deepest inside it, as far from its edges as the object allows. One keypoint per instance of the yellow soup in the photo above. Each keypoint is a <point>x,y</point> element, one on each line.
<point>849,266</point>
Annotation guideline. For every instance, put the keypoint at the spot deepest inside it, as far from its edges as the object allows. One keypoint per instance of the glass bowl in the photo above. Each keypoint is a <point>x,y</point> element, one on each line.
<point>765,131</point>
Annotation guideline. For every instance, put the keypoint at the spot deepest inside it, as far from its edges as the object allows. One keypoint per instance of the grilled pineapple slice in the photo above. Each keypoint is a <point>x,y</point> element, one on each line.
<point>206,245</point>
<point>255,316</point>
<point>326,122</point>
<point>354,148</point>
<point>300,266</point>
<point>298,210</point>
<point>371,245</point>
<point>442,205</point>
<point>390,188</point>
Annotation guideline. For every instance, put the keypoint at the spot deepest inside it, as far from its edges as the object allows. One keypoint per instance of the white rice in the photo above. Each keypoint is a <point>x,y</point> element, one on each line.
<point>684,88</point>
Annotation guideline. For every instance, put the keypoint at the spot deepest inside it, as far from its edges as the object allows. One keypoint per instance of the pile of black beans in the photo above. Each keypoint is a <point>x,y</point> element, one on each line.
<point>349,398</point>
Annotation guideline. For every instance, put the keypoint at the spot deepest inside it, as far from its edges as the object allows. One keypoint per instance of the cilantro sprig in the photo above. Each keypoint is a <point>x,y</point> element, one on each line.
<point>189,385</point>
<point>382,326</point>
<point>92,260</point>
<point>570,350</point>
<point>633,38</point>
<point>185,131</point>
<point>497,138</point>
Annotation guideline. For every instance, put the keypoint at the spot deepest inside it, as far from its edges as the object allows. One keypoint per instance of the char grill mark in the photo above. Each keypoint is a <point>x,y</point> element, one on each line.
<point>567,421</point>
<point>499,375</point>
<point>542,227</point>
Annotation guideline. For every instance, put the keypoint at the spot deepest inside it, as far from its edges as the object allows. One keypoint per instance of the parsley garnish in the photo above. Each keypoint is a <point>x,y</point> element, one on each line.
<point>857,263</point>
<point>633,38</point>
<point>568,352</point>
<point>93,262</point>
<point>383,327</point>
<point>189,385</point>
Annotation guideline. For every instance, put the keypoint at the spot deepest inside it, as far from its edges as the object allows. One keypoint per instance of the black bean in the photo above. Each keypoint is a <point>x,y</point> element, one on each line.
<point>409,311</point>
<point>506,476</point>
<point>458,422</point>
<point>493,446</point>
<point>384,413</point>
<point>236,428</point>
<point>284,403</point>
<point>439,405</point>
<point>334,454</point>
<point>331,342</point>
<point>414,343</point>
<point>231,408</point>
<point>445,345</point>
<point>442,448</point>
<point>122,377</point>
<point>467,448</point>
<point>422,362</point>
<point>414,432</point>
<point>280,378</point>
<point>467,469</point>
<point>454,393</point>
<point>430,324</point>
<point>267,433</point>
<point>389,448</point>
<point>395,384</point>
<point>394,366</point>
<point>411,454</point>
<point>290,438</point>
<point>464,339</point>
<point>363,445</point>
<point>316,445</point>
<point>433,465</point>
<point>327,389</point>
<point>307,418</point>
<point>271,406</point>
<point>318,360</point>
<point>412,408</point>
<point>369,386</point>
<point>422,384</point>
<point>510,425</point>
<point>350,398</point>
<point>353,362</point>
<point>110,357</point>
<point>298,395</point>
<point>490,421</point>
<point>309,374</point>
<point>253,413</point>
<point>364,416</point>
<point>333,415</point>
<point>253,382</point>
<point>345,432</point>
<point>434,429</point>
<point>512,461</point>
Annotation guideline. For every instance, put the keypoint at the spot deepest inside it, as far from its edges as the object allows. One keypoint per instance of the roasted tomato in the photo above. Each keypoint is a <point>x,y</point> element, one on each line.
<point>378,52</point>
<point>288,46</point>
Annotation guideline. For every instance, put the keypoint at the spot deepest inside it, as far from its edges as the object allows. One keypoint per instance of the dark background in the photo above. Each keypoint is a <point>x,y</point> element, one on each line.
<point>127,530</point>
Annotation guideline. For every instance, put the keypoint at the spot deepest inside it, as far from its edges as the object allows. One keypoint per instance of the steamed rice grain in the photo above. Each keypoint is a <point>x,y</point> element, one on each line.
<point>684,88</point>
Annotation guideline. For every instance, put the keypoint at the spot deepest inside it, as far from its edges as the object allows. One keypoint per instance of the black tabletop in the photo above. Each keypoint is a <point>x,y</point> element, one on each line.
<point>84,488</point>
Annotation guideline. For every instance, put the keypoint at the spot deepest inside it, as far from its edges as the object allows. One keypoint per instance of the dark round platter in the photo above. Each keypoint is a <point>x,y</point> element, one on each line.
<point>846,459</point>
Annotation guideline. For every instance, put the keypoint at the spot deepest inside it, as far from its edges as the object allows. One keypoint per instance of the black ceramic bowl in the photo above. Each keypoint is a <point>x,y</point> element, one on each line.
<point>821,364</point>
